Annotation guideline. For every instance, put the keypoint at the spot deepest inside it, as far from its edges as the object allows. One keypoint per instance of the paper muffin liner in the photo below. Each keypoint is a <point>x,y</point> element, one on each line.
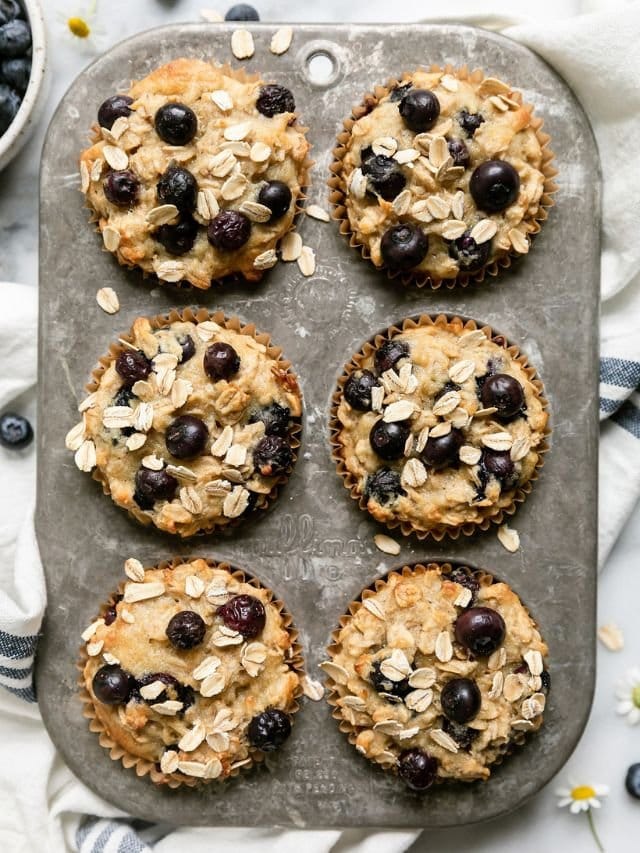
<point>338,188</point>
<point>484,578</point>
<point>458,325</point>
<point>199,315</point>
<point>144,767</point>
<point>241,76</point>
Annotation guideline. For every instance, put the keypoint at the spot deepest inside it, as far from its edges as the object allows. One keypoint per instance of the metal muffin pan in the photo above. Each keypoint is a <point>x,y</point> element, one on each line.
<point>314,547</point>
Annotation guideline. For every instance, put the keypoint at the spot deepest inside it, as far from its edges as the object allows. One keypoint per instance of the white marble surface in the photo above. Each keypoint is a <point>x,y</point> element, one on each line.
<point>608,745</point>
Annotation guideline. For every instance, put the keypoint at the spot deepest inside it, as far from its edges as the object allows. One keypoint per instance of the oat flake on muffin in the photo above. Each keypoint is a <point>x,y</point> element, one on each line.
<point>195,173</point>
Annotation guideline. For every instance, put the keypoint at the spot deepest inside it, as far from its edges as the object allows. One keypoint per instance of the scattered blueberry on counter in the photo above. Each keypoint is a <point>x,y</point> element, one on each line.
<point>15,61</point>
<point>632,781</point>
<point>15,431</point>
<point>242,12</point>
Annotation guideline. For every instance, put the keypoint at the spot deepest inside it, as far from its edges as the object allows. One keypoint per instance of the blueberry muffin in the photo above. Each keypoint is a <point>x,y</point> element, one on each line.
<point>194,174</point>
<point>438,426</point>
<point>191,422</point>
<point>191,672</point>
<point>437,673</point>
<point>441,176</point>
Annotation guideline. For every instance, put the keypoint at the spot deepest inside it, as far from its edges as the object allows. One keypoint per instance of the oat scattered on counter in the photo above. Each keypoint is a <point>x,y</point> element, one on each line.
<point>291,246</point>
<point>316,212</point>
<point>611,637</point>
<point>386,544</point>
<point>242,45</point>
<point>108,300</point>
<point>312,689</point>
<point>509,538</point>
<point>281,41</point>
<point>307,261</point>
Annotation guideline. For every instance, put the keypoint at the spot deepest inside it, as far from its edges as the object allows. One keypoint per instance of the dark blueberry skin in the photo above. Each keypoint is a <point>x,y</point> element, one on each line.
<point>442,451</point>
<point>188,348</point>
<point>112,685</point>
<point>357,389</point>
<point>274,99</point>
<point>221,361</point>
<point>388,440</point>
<point>132,365</point>
<point>384,175</point>
<point>269,730</point>
<point>242,12</point>
<point>459,575</point>
<point>178,186</point>
<point>546,681</point>
<point>504,392</point>
<point>117,106</point>
<point>460,699</point>
<point>494,185</point>
<point>272,455</point>
<point>417,769</point>
<point>124,397</point>
<point>399,92</point>
<point>15,38</point>
<point>229,231</point>
<point>384,486</point>
<point>499,464</point>
<point>186,630</point>
<point>244,614</point>
<point>175,690</point>
<point>470,122</point>
<point>459,152</point>
<point>463,735</point>
<point>632,781</point>
<point>419,109</point>
<point>152,486</point>
<point>16,72</point>
<point>9,106</point>
<point>480,629</point>
<point>469,254</point>
<point>386,685</point>
<point>186,437</point>
<point>9,9</point>
<point>176,123</point>
<point>403,246</point>
<point>275,195</point>
<point>178,239</point>
<point>111,614</point>
<point>122,188</point>
<point>274,417</point>
<point>389,354</point>
<point>15,431</point>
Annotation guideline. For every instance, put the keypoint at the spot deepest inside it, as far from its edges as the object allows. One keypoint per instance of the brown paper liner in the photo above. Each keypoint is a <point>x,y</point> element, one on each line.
<point>484,578</point>
<point>459,325</point>
<point>242,76</point>
<point>142,766</point>
<point>199,315</point>
<point>338,188</point>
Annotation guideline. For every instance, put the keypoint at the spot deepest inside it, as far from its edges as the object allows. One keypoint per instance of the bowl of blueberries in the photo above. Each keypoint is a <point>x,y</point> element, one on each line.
<point>22,69</point>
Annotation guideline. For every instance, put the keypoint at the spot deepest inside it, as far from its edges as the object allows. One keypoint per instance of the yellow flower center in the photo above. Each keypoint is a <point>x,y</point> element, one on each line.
<point>79,27</point>
<point>582,792</point>
<point>635,695</point>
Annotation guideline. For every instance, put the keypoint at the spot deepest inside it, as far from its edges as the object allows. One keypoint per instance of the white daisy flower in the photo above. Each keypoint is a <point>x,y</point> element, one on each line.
<point>583,798</point>
<point>628,696</point>
<point>81,28</point>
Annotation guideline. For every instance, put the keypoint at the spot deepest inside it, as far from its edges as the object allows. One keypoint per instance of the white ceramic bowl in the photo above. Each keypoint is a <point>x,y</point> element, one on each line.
<point>24,122</point>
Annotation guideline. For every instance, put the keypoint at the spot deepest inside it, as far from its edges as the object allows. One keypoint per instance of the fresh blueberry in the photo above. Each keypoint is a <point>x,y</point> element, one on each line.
<point>466,579</point>
<point>274,417</point>
<point>469,254</point>
<point>15,38</point>
<point>545,678</point>
<point>186,437</point>
<point>122,188</point>
<point>242,12</point>
<point>403,246</point>
<point>9,10</point>
<point>500,464</point>
<point>244,614</point>
<point>459,152</point>
<point>178,239</point>
<point>385,685</point>
<point>420,109</point>
<point>357,389</point>
<point>460,700</point>
<point>132,365</point>
<point>442,451</point>
<point>115,107</point>
<point>229,231</point>
<point>469,122</point>
<point>186,630</point>
<point>112,685</point>
<point>188,348</point>
<point>272,455</point>
<point>221,361</point>
<point>463,735</point>
<point>399,92</point>
<point>15,431</point>
<point>269,730</point>
<point>504,393</point>
<point>275,195</point>
<point>494,185</point>
<point>417,769</point>
<point>152,486</point>
<point>389,440</point>
<point>383,486</point>
<point>384,175</point>
<point>176,123</point>
<point>632,781</point>
<point>16,72</point>
<point>389,354</point>
<point>9,106</point>
<point>480,629</point>
<point>274,99</point>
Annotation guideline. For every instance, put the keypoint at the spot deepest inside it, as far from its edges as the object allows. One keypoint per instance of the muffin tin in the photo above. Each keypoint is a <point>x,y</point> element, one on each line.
<point>314,547</point>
